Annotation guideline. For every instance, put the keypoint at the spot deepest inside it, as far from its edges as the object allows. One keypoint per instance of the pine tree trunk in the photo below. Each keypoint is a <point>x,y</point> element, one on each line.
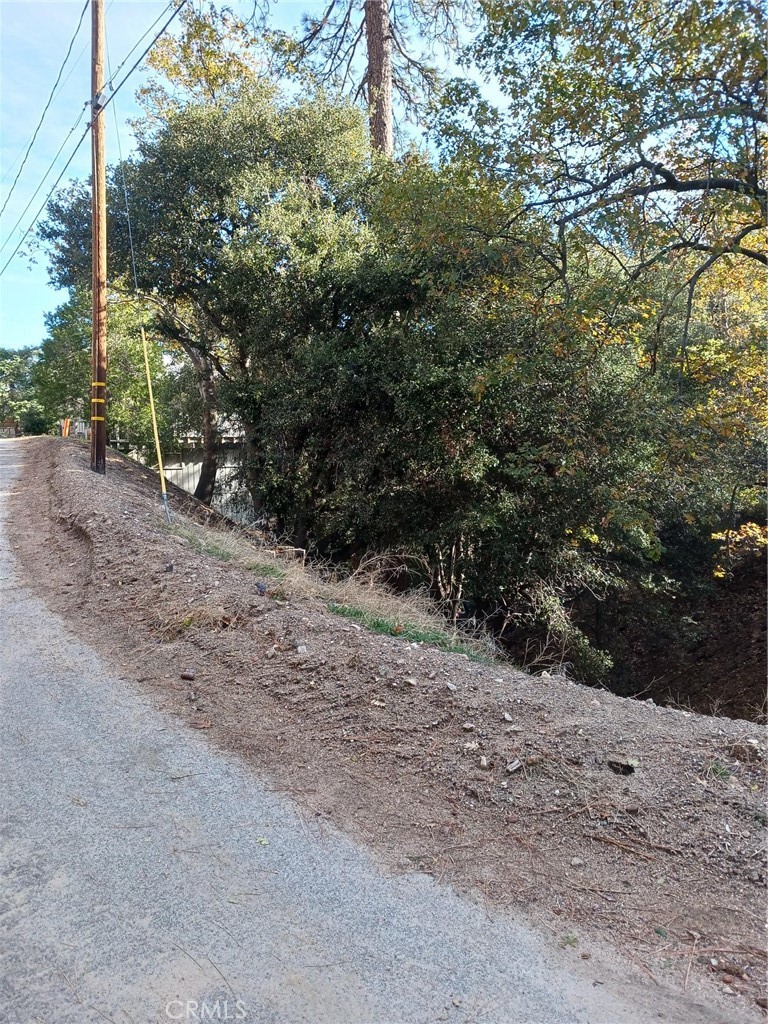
<point>379,39</point>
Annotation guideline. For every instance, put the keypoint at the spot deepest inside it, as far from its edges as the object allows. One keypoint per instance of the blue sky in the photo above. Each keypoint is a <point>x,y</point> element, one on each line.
<point>33,40</point>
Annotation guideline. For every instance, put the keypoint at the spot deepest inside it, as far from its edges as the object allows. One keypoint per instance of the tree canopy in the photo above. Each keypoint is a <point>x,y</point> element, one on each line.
<point>19,400</point>
<point>641,122</point>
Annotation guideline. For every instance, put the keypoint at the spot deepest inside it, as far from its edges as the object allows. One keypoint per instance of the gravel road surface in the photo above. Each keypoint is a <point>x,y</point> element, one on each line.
<point>147,877</point>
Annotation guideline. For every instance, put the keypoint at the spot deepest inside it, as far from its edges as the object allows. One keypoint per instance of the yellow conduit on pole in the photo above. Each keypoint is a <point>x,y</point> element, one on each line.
<point>154,425</point>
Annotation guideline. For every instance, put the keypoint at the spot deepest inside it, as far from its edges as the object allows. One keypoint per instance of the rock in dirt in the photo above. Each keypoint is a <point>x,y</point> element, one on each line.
<point>747,751</point>
<point>468,727</point>
<point>188,674</point>
<point>577,862</point>
<point>622,766</point>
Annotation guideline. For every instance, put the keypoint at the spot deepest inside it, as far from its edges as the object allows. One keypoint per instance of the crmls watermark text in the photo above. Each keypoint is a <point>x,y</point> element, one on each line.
<point>205,1009</point>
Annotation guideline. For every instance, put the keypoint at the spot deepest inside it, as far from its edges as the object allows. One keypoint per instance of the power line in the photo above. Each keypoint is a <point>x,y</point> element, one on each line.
<point>115,90</point>
<point>45,201</point>
<point>9,170</point>
<point>138,42</point>
<point>118,87</point>
<point>46,107</point>
<point>125,185</point>
<point>82,52</point>
<point>44,177</point>
<point>79,57</point>
<point>11,167</point>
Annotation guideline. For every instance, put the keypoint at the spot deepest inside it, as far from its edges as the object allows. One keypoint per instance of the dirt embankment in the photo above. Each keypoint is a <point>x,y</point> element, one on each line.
<point>593,814</point>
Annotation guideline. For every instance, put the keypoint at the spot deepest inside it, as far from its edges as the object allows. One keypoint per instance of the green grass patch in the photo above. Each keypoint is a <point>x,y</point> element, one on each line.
<point>203,545</point>
<point>207,548</point>
<point>717,770</point>
<point>272,572</point>
<point>407,631</point>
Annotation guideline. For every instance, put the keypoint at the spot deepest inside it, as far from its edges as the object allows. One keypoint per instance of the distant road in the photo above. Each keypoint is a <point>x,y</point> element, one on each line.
<point>147,877</point>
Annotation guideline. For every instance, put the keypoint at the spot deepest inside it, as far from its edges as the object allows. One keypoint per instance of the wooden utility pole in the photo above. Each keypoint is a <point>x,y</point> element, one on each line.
<point>99,239</point>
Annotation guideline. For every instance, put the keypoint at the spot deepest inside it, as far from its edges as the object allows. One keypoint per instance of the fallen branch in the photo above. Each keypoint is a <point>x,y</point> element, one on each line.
<point>623,846</point>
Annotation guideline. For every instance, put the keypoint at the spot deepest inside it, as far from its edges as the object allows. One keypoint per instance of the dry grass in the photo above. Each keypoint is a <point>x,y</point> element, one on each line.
<point>362,596</point>
<point>173,625</point>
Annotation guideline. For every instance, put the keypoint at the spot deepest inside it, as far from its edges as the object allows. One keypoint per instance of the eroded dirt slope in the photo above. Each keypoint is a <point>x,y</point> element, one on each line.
<point>499,783</point>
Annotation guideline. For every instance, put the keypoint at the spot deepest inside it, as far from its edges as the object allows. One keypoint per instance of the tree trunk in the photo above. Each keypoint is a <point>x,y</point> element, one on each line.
<point>379,77</point>
<point>252,468</point>
<point>210,432</point>
<point>210,464</point>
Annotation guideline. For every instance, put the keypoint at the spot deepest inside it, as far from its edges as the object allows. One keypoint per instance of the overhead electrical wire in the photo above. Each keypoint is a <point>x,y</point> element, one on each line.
<point>107,101</point>
<point>144,342</point>
<point>116,89</point>
<point>42,182</point>
<point>81,54</point>
<point>79,57</point>
<point>142,37</point>
<point>88,43</point>
<point>46,107</point>
<point>64,81</point>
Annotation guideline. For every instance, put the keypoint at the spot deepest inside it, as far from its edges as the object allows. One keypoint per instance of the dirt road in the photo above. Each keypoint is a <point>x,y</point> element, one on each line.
<point>149,877</point>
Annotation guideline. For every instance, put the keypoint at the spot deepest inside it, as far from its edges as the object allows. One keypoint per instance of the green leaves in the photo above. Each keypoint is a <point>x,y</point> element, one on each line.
<point>18,399</point>
<point>61,375</point>
<point>641,120</point>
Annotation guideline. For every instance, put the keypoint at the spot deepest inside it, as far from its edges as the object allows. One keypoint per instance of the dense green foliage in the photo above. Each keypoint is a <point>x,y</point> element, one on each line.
<point>19,400</point>
<point>61,374</point>
<point>425,361</point>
